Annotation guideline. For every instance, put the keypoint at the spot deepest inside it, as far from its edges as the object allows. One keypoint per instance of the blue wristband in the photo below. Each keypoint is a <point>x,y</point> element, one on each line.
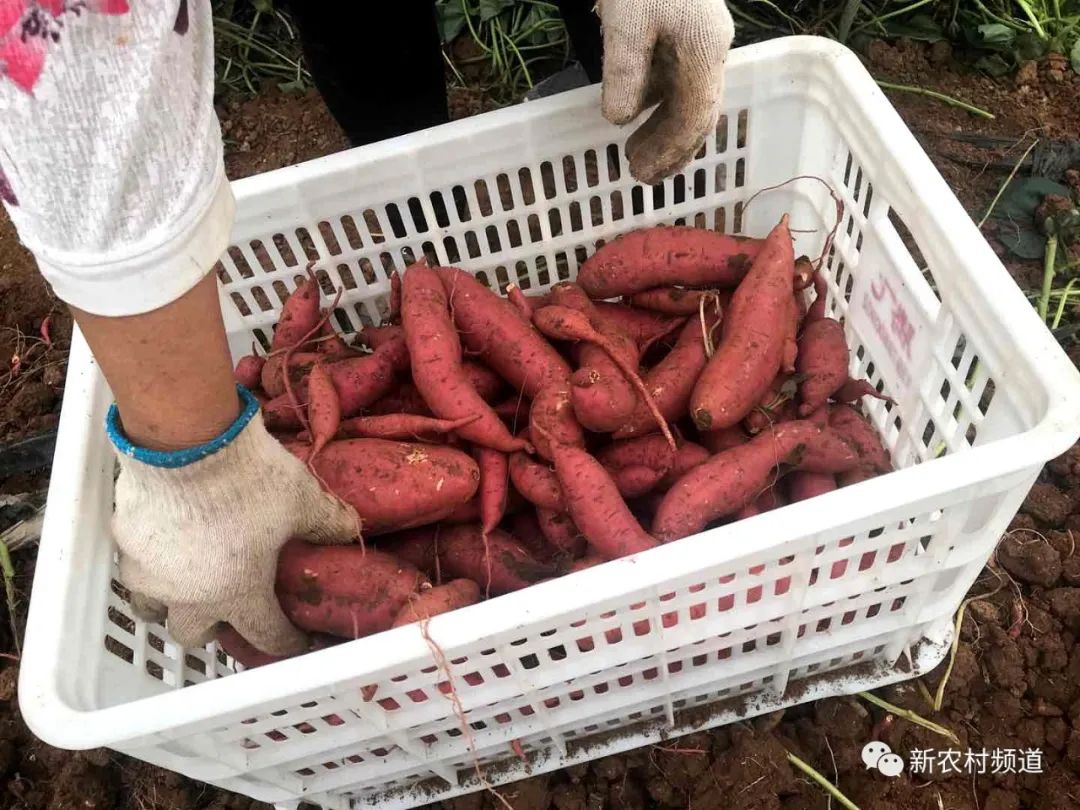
<point>181,458</point>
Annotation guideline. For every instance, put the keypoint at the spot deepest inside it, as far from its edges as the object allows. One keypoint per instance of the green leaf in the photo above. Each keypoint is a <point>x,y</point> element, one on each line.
<point>1023,195</point>
<point>1076,56</point>
<point>919,27</point>
<point>451,21</point>
<point>489,9</point>
<point>1015,212</point>
<point>1029,46</point>
<point>264,6</point>
<point>996,34</point>
<point>994,65</point>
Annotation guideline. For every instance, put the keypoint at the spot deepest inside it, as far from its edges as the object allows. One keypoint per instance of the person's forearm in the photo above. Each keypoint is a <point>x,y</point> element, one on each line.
<point>169,369</point>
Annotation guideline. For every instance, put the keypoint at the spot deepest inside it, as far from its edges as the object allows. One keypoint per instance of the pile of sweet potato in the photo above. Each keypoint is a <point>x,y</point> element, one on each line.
<point>687,379</point>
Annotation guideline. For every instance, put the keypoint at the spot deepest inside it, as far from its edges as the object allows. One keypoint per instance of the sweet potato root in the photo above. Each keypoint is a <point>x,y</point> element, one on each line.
<point>496,562</point>
<point>536,482</point>
<point>299,314</point>
<point>430,602</point>
<point>643,326</point>
<point>323,410</point>
<point>854,390</point>
<point>671,300</point>
<point>717,441</point>
<point>343,590</point>
<point>860,434</point>
<point>731,480</point>
<point>398,426</point>
<point>802,486</point>
<point>560,533</point>
<point>665,256</point>
<point>822,363</point>
<point>750,354</point>
<point>436,358</point>
<point>494,486</point>
<point>671,381</point>
<point>552,419</point>
<point>395,485</point>
<point>248,371</point>
<point>493,329</point>
<point>597,509</point>
<point>373,337</point>
<point>402,399</point>
<point>688,456</point>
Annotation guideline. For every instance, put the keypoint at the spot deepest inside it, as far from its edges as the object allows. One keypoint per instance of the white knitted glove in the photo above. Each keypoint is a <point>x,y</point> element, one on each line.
<point>199,530</point>
<point>671,51</point>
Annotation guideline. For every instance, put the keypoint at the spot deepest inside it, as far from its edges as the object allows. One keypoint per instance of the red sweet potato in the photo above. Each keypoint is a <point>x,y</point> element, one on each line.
<point>494,486</point>
<point>537,483</point>
<point>430,602</point>
<point>497,562</point>
<point>299,314</point>
<point>671,300</point>
<point>802,486</point>
<point>560,533</point>
<point>415,547</point>
<point>791,342</point>
<point>602,396</point>
<point>248,371</point>
<point>586,562</point>
<point>767,501</point>
<point>775,406</point>
<point>493,329</point>
<point>731,480</point>
<point>323,409</point>
<point>717,441</point>
<point>251,656</point>
<point>395,485</point>
<point>688,456</point>
<point>552,419</point>
<point>671,382</point>
<point>664,256</point>
<point>468,512</point>
<point>272,375</point>
<point>828,452</point>
<point>652,452</point>
<point>860,434</point>
<point>359,382</point>
<point>749,356</point>
<point>330,343</point>
<point>804,275</point>
<point>514,412</point>
<point>346,591</point>
<point>375,336</point>
<point>596,507</point>
<point>404,399</point>
<point>821,292</point>
<point>636,481</point>
<point>521,302</point>
<point>563,323</point>
<point>643,326</point>
<point>822,363</point>
<point>524,526</point>
<point>854,390</point>
<point>487,384</point>
<point>395,297</point>
<point>398,426</point>
<point>436,360</point>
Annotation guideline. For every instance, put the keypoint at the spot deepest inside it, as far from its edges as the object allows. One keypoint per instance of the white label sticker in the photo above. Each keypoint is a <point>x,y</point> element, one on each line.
<point>889,321</point>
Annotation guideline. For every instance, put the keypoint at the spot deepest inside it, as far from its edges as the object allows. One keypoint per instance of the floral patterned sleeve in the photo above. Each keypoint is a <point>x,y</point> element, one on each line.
<point>110,150</point>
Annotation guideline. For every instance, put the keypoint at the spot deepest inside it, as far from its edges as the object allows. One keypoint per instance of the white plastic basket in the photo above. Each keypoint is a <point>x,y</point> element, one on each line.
<point>845,592</point>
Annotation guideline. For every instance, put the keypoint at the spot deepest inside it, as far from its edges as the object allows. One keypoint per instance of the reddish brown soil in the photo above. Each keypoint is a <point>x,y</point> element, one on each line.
<point>1016,682</point>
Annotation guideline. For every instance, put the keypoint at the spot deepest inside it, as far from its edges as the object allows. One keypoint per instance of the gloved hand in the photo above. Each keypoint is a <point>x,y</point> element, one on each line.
<point>199,530</point>
<point>667,51</point>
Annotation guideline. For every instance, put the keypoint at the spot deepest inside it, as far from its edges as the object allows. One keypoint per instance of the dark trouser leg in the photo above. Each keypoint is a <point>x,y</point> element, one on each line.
<point>583,25</point>
<point>379,70</point>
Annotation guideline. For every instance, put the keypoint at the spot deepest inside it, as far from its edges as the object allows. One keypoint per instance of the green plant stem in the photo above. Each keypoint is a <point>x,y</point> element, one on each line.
<point>1034,20</point>
<point>8,571</point>
<point>897,13</point>
<point>847,19</point>
<point>922,91</point>
<point>1050,259</point>
<point>1061,304</point>
<point>911,717</point>
<point>1005,185</point>
<point>828,786</point>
